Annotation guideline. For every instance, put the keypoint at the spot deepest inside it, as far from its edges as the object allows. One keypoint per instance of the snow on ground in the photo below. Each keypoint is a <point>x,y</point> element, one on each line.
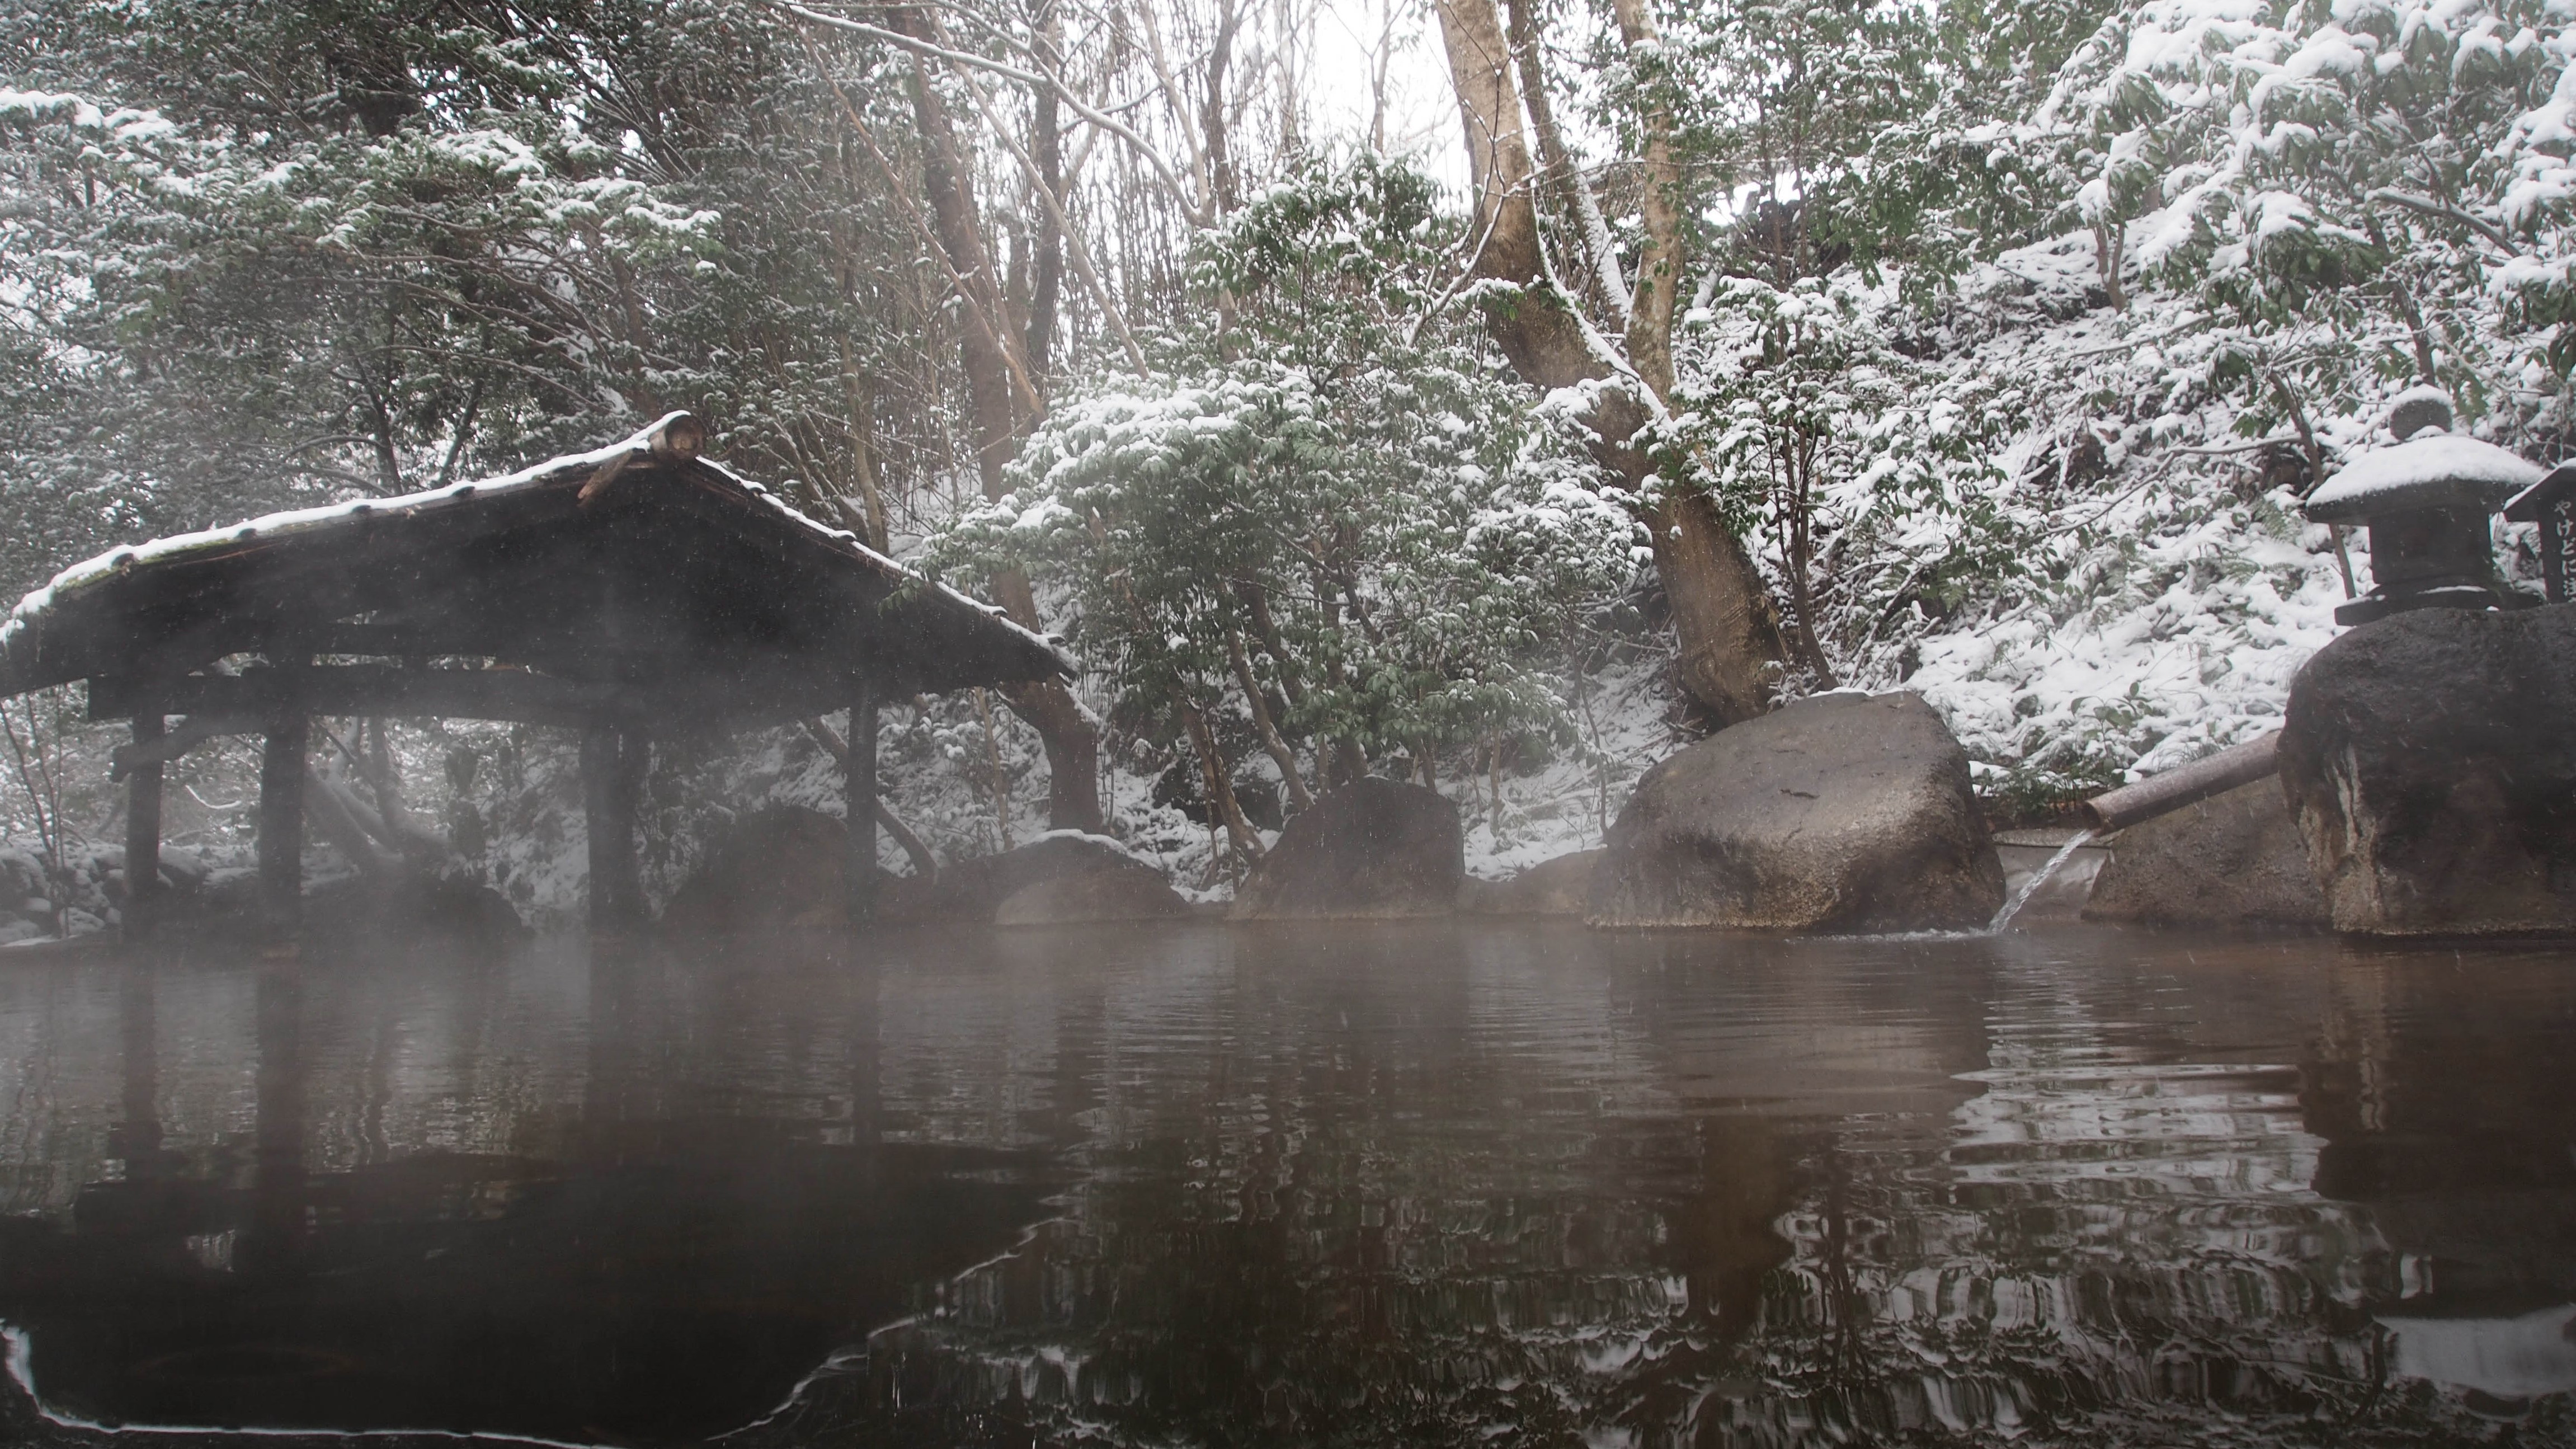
<point>2168,590</point>
<point>2171,586</point>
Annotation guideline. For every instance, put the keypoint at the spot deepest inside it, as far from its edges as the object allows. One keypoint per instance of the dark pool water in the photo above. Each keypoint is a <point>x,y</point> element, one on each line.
<point>1456,1185</point>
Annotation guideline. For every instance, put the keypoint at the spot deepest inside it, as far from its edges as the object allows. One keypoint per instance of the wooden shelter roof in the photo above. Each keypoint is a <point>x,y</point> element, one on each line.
<point>636,583</point>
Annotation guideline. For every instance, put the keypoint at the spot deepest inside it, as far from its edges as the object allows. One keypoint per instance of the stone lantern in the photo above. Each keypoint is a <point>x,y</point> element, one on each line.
<point>2426,501</point>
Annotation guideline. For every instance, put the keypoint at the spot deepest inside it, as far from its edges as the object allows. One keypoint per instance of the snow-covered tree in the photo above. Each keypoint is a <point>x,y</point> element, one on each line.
<point>1330,516</point>
<point>1865,472</point>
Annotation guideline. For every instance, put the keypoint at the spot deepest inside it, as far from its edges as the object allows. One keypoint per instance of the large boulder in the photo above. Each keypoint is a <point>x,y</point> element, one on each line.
<point>1104,895</point>
<point>414,910</point>
<point>776,868</point>
<point>1374,849</point>
<point>781,867</point>
<point>974,890</point>
<point>2234,859</point>
<point>2430,761</point>
<point>1844,812</point>
<point>1561,886</point>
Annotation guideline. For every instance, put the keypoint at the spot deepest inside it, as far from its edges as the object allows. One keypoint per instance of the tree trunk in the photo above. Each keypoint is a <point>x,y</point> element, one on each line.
<point>998,413</point>
<point>925,866</point>
<point>1046,148</point>
<point>404,831</point>
<point>1001,775</point>
<point>1219,785</point>
<point>1659,259</point>
<point>1298,796</point>
<point>143,830</point>
<point>345,821</point>
<point>1729,631</point>
<point>1573,194</point>
<point>2110,259</point>
<point>1801,565</point>
<point>1212,111</point>
<point>861,402</point>
<point>281,823</point>
<point>860,807</point>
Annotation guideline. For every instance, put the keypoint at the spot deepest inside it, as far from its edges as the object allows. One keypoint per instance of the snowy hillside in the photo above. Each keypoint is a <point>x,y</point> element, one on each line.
<point>2163,587</point>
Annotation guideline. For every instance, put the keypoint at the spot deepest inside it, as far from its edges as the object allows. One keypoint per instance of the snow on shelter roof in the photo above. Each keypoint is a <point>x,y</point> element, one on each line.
<point>2444,470</point>
<point>100,616</point>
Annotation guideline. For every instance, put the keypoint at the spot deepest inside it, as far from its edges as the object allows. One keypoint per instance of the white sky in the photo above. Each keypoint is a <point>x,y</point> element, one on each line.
<point>1422,112</point>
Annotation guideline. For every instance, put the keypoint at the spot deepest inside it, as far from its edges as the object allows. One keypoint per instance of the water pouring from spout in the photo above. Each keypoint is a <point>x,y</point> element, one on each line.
<point>2038,878</point>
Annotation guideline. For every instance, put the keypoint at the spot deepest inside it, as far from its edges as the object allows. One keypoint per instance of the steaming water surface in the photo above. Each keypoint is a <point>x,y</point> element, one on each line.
<point>1449,1184</point>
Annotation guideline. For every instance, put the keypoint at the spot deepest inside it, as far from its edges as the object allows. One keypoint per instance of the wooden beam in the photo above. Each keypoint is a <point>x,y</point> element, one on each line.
<point>859,787</point>
<point>689,692</point>
<point>376,690</point>
<point>392,641</point>
<point>186,735</point>
<point>143,833</point>
<point>281,824</point>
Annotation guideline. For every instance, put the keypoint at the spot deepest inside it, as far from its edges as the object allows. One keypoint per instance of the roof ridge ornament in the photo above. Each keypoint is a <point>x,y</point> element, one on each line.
<point>677,437</point>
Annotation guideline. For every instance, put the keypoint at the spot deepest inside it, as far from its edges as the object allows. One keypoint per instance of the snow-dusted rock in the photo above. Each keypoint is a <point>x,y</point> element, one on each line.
<point>2234,859</point>
<point>1846,812</point>
<point>1100,895</point>
<point>781,868</point>
<point>1374,849</point>
<point>1558,887</point>
<point>2430,761</point>
<point>974,890</point>
<point>182,870</point>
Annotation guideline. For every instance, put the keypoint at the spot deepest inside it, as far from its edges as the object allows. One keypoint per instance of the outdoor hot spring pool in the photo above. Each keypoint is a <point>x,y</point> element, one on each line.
<point>1459,1183</point>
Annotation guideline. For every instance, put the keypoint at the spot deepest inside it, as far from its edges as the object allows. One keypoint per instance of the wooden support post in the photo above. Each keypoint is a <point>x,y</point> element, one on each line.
<point>281,825</point>
<point>859,789</point>
<point>612,776</point>
<point>143,832</point>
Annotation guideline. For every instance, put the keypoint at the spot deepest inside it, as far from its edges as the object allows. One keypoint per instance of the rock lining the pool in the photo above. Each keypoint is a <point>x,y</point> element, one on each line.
<point>2430,760</point>
<point>1843,812</point>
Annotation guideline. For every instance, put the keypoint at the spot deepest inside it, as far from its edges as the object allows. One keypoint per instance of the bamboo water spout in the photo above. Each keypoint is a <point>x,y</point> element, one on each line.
<point>2215,775</point>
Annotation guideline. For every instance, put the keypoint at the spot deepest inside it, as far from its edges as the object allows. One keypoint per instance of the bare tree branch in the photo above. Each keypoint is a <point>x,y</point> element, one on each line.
<point>970,60</point>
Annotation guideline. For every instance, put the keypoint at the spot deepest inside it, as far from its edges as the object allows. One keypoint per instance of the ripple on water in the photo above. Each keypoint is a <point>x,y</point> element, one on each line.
<point>1437,1182</point>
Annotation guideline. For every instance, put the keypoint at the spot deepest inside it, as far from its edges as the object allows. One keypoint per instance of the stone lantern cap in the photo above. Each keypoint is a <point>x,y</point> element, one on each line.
<point>2428,469</point>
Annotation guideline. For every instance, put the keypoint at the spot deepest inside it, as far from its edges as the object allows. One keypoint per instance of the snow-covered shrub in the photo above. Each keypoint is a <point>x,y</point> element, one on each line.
<point>1336,507</point>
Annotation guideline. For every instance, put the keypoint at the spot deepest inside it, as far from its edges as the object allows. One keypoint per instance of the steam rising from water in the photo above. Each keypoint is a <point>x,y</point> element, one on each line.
<point>1381,1184</point>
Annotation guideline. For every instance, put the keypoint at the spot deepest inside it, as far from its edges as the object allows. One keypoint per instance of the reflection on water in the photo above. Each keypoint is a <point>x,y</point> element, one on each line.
<point>1392,1184</point>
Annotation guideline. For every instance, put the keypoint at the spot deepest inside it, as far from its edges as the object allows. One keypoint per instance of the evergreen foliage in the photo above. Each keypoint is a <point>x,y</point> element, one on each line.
<point>2009,336</point>
<point>1335,485</point>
